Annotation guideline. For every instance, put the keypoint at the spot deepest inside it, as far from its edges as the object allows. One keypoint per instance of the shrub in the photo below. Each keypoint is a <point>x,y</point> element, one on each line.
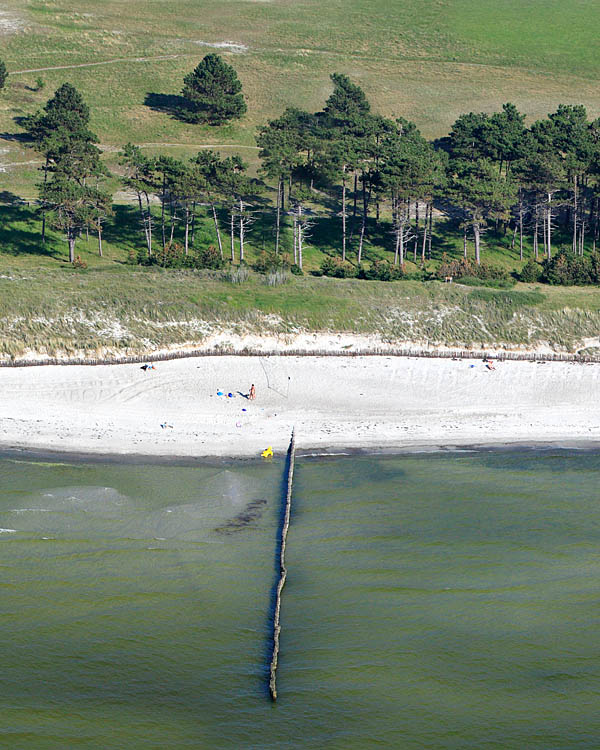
<point>78,263</point>
<point>338,268</point>
<point>208,257</point>
<point>381,270</point>
<point>172,256</point>
<point>296,270</point>
<point>566,269</point>
<point>270,261</point>
<point>464,267</point>
<point>531,271</point>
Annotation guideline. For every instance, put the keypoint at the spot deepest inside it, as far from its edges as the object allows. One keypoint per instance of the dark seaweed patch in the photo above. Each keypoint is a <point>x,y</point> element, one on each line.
<point>252,512</point>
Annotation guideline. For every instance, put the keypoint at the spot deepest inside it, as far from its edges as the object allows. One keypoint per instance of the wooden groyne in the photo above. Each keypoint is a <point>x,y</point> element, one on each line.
<point>282,569</point>
<point>499,354</point>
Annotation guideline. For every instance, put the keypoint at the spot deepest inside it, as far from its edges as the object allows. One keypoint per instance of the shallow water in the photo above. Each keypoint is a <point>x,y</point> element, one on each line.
<point>432,602</point>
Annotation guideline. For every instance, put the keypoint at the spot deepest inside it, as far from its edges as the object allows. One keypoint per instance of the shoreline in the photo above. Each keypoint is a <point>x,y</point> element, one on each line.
<point>369,404</point>
<point>30,455</point>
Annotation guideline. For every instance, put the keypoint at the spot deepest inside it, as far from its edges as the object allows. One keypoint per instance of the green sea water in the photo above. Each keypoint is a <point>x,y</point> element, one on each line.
<point>442,601</point>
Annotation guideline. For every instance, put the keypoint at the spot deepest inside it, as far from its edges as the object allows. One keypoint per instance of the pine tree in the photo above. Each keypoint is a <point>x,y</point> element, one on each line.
<point>213,91</point>
<point>3,74</point>
<point>280,145</point>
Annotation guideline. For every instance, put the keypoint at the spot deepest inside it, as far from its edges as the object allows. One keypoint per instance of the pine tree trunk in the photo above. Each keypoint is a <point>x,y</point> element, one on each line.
<point>354,195</point>
<point>344,212</point>
<point>187,230</point>
<point>465,240</point>
<point>295,239</point>
<point>535,235</point>
<point>216,221</point>
<point>549,247</point>
<point>520,226</point>
<point>430,231</point>
<point>416,231</point>
<point>71,239</point>
<point>299,235</point>
<point>232,235</point>
<point>544,231</point>
<point>193,230</point>
<point>364,220</point>
<point>476,234</point>
<point>173,217</point>
<point>162,213</point>
<point>396,225</point>
<point>574,213</point>
<point>401,233</point>
<point>424,245</point>
<point>99,237</point>
<point>44,201</point>
<point>149,214</point>
<point>278,221</point>
<point>144,223</point>
<point>241,230</point>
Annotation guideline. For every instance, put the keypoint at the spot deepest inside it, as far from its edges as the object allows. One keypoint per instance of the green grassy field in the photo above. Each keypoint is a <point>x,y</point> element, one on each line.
<point>427,60</point>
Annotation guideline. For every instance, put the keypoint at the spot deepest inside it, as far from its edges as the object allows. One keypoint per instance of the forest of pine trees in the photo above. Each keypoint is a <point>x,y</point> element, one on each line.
<point>363,170</point>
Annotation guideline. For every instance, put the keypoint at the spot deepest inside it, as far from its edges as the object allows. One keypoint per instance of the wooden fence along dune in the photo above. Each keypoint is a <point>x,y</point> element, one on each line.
<point>374,352</point>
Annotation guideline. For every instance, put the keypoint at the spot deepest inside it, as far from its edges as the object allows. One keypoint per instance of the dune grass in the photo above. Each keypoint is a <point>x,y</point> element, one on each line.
<point>58,311</point>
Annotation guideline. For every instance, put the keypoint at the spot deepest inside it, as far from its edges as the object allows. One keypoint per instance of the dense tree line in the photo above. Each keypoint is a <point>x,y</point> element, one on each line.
<point>491,170</point>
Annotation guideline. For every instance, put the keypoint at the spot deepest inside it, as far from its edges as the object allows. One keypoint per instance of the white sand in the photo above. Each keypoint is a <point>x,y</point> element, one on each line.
<point>334,402</point>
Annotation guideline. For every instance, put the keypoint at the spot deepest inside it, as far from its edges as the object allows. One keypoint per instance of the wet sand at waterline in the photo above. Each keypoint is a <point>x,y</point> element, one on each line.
<point>373,402</point>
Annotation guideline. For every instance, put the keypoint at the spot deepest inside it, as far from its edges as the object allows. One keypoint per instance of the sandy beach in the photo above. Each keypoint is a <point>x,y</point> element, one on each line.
<point>374,402</point>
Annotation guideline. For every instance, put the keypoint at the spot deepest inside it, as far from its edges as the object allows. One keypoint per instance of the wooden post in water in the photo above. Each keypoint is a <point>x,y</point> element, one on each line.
<point>282,568</point>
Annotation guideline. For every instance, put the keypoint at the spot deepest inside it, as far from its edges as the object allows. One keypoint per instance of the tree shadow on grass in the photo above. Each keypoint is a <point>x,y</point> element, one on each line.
<point>174,105</point>
<point>124,230</point>
<point>20,232</point>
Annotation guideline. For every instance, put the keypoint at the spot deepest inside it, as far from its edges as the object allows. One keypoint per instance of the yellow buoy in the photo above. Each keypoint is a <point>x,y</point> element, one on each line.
<point>267,453</point>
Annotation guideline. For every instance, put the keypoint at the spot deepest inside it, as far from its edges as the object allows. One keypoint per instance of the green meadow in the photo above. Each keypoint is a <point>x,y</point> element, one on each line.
<point>428,61</point>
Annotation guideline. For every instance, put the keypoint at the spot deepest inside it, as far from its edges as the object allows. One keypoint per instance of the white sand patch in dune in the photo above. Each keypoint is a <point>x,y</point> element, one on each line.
<point>227,46</point>
<point>9,23</point>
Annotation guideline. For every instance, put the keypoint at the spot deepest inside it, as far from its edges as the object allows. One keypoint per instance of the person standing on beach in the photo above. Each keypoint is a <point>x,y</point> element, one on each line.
<point>252,394</point>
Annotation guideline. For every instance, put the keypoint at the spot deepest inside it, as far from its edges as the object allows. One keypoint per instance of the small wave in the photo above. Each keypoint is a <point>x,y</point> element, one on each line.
<point>30,510</point>
<point>8,531</point>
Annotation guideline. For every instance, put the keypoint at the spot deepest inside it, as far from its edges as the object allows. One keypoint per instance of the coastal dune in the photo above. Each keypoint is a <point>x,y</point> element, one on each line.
<point>335,403</point>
